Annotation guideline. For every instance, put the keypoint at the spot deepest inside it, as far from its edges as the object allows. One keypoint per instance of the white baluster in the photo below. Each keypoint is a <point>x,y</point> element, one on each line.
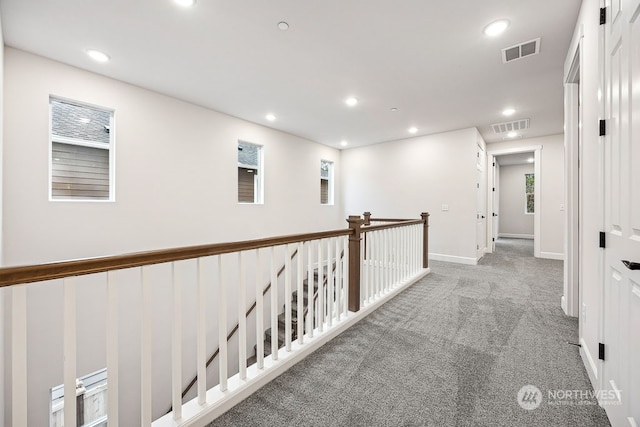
<point>299,287</point>
<point>259,312</point>
<point>146,350</point>
<point>274,306</point>
<point>310,291</point>
<point>19,394</point>
<point>69,342</point>
<point>222,326</point>
<point>176,346</point>
<point>112,350</point>
<point>242,319</point>
<point>338,275</point>
<point>345,264</point>
<point>379,267</point>
<point>320,289</point>
<point>330,283</point>
<point>202,334</point>
<point>287,299</point>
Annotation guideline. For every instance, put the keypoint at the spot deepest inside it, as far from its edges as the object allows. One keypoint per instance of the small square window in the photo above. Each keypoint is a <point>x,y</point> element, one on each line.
<point>250,184</point>
<point>81,152</point>
<point>326,182</point>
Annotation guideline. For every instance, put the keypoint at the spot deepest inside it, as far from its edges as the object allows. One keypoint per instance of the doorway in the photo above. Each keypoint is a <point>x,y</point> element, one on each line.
<point>494,191</point>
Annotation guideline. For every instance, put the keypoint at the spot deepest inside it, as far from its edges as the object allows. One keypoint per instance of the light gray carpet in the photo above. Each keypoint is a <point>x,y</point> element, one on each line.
<point>452,350</point>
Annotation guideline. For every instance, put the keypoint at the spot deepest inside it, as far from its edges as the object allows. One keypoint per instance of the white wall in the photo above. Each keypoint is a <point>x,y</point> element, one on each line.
<point>513,220</point>
<point>175,172</point>
<point>587,30</point>
<point>2,292</point>
<point>406,177</point>
<point>551,189</point>
<point>176,184</point>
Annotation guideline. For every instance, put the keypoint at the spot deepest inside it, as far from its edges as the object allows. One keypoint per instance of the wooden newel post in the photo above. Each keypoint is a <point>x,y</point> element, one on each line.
<point>425,239</point>
<point>367,218</point>
<point>355,222</point>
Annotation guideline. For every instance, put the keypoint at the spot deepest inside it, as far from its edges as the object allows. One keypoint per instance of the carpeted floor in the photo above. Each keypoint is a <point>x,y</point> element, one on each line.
<point>455,349</point>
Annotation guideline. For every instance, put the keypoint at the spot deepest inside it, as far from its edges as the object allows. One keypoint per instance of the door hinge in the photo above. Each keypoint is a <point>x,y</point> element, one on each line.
<point>494,214</point>
<point>493,239</point>
<point>494,189</point>
<point>494,163</point>
<point>600,351</point>
<point>603,15</point>
<point>478,185</point>
<point>603,240</point>
<point>603,127</point>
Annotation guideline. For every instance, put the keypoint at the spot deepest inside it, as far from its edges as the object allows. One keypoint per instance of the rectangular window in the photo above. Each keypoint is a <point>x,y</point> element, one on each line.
<point>326,182</point>
<point>250,185</point>
<point>81,152</point>
<point>529,180</point>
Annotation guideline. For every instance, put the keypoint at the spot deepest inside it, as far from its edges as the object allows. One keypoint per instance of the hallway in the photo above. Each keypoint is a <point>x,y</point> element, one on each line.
<point>455,349</point>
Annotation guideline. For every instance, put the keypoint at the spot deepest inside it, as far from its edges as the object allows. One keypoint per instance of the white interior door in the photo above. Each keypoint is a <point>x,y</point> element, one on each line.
<point>621,310</point>
<point>496,204</point>
<point>481,203</point>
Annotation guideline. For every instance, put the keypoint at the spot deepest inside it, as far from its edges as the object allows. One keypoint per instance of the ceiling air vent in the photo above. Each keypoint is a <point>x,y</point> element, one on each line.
<point>511,126</point>
<point>521,50</point>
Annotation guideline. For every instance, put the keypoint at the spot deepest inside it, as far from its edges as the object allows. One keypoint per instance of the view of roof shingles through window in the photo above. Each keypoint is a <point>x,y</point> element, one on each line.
<point>247,154</point>
<point>80,122</point>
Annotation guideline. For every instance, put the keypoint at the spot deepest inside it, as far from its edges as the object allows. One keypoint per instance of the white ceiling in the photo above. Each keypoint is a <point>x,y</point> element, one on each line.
<point>428,59</point>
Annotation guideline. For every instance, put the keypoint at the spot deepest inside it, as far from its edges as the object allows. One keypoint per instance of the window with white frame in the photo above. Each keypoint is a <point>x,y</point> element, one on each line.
<point>250,184</point>
<point>529,185</point>
<point>326,182</point>
<point>82,151</point>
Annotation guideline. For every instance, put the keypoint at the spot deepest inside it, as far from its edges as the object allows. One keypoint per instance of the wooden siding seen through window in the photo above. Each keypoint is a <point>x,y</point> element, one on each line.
<point>79,172</point>
<point>246,185</point>
<point>324,191</point>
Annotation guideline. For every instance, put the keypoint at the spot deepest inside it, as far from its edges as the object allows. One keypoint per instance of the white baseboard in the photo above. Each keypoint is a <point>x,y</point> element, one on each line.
<point>589,364</point>
<point>516,236</point>
<point>563,304</point>
<point>552,255</point>
<point>455,259</point>
<point>218,402</point>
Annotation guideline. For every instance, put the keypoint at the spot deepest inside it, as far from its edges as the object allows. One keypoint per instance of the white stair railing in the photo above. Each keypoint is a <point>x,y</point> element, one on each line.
<point>176,299</point>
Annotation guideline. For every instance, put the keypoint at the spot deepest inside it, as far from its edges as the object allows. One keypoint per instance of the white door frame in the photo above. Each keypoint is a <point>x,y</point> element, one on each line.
<point>570,301</point>
<point>537,155</point>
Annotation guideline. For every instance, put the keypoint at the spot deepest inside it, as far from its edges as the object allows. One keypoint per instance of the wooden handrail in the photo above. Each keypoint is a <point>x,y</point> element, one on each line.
<point>403,223</point>
<point>10,276</point>
<point>390,219</point>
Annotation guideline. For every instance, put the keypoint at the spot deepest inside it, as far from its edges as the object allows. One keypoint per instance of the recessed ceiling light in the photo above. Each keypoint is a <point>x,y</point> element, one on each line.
<point>508,112</point>
<point>185,3</point>
<point>530,160</point>
<point>413,129</point>
<point>394,109</point>
<point>344,143</point>
<point>351,101</point>
<point>270,117</point>
<point>98,56</point>
<point>283,26</point>
<point>512,134</point>
<point>496,27</point>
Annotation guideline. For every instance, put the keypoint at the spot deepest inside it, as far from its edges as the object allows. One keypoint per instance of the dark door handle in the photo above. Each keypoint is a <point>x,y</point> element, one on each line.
<point>482,218</point>
<point>631,265</point>
<point>494,214</point>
